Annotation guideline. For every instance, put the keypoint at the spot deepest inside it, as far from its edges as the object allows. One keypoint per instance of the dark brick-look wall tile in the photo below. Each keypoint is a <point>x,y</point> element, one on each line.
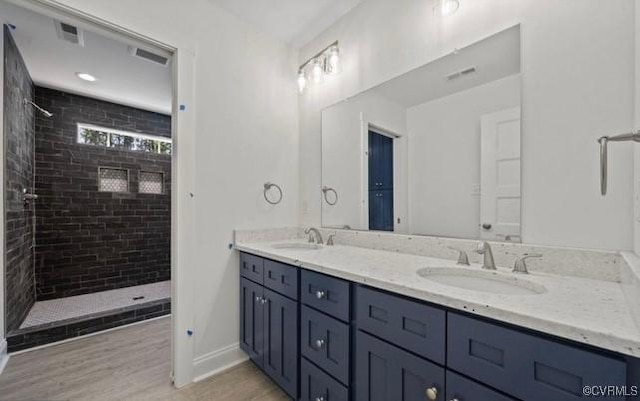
<point>86,240</point>
<point>19,137</point>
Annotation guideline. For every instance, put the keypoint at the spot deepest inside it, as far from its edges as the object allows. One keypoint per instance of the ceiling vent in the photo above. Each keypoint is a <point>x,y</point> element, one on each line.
<point>70,33</point>
<point>461,73</point>
<point>149,56</point>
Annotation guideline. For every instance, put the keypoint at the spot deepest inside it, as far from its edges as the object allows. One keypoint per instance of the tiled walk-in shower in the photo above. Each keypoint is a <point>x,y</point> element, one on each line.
<point>87,209</point>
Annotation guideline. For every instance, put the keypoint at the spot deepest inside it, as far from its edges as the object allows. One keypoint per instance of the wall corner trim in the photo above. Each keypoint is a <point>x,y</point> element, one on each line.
<point>4,357</point>
<point>218,361</point>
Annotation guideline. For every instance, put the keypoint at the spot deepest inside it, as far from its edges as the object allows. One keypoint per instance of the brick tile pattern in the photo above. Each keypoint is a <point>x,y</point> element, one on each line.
<point>19,137</point>
<point>87,240</point>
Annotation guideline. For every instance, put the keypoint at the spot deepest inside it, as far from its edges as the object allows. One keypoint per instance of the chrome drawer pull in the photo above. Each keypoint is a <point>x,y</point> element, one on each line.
<point>320,343</point>
<point>320,294</point>
<point>432,393</point>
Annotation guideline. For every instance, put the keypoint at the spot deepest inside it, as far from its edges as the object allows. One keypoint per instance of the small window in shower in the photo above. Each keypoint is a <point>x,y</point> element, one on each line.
<point>151,183</point>
<point>122,140</point>
<point>113,180</point>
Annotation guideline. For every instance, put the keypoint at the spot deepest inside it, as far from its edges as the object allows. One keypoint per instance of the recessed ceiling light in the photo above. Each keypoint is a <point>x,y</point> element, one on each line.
<point>86,77</point>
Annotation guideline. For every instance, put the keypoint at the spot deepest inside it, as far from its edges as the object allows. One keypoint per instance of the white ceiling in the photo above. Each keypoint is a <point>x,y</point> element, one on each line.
<point>294,22</point>
<point>53,63</point>
<point>495,57</point>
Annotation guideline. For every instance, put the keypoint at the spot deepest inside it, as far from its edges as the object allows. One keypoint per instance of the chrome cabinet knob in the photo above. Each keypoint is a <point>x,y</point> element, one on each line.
<point>321,398</point>
<point>432,393</point>
<point>454,399</point>
<point>320,343</point>
<point>264,301</point>
<point>320,294</point>
<point>257,299</point>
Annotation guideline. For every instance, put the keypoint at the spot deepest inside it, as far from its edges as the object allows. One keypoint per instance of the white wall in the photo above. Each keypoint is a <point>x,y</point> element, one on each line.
<point>245,134</point>
<point>444,157</point>
<point>578,72</point>
<point>345,168</point>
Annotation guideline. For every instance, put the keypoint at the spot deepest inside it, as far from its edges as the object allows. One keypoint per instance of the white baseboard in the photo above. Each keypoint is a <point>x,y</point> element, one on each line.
<point>218,361</point>
<point>4,357</point>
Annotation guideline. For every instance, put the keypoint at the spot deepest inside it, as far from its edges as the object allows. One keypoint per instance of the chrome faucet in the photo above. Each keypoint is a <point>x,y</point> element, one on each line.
<point>314,235</point>
<point>520,266</point>
<point>463,258</point>
<point>485,249</point>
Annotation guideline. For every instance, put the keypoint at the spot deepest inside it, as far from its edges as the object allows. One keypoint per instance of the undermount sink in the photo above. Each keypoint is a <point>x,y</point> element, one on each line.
<point>482,281</point>
<point>298,246</point>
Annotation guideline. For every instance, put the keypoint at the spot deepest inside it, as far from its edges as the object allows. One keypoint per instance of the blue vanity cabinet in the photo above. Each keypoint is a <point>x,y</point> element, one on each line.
<point>321,338</point>
<point>269,320</point>
<point>385,372</point>
<point>281,356</point>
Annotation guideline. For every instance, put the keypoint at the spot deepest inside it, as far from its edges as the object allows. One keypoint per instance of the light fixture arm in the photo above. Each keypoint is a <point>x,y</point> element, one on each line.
<point>320,53</point>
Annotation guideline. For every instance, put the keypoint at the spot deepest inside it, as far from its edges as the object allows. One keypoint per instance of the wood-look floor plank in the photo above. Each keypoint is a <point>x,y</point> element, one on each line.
<point>132,363</point>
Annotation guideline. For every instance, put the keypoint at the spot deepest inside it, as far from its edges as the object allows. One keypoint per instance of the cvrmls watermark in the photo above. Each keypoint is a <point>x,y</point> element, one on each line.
<point>610,391</point>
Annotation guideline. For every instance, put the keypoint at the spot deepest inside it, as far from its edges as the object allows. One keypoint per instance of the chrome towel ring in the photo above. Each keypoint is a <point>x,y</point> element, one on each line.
<point>267,187</point>
<point>326,189</point>
<point>604,141</point>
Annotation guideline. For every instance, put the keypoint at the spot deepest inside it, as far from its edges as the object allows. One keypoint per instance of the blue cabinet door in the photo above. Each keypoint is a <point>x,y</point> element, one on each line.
<point>281,330</point>
<point>252,320</point>
<point>380,162</point>
<point>381,210</point>
<point>386,373</point>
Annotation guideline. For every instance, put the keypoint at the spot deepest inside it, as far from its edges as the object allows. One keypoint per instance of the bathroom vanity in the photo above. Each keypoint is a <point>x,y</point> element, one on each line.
<point>347,323</point>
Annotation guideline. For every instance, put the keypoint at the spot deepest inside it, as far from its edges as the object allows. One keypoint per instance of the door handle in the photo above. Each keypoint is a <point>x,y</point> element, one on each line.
<point>487,226</point>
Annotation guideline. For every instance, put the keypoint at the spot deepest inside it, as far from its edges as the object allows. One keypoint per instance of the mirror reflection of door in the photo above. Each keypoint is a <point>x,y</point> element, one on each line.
<point>500,175</point>
<point>380,182</point>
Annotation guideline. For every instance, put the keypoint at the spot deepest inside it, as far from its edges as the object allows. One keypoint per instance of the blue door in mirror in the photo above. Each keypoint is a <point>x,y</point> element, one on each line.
<point>380,182</point>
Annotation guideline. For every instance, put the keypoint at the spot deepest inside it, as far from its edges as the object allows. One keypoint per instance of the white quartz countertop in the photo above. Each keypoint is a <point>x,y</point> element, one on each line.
<point>584,310</point>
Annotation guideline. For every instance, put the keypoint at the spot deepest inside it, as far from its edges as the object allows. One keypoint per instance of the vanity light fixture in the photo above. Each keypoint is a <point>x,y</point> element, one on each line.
<point>446,8</point>
<point>326,62</point>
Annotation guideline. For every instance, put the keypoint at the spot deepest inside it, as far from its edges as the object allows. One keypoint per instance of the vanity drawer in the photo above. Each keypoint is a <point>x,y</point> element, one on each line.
<point>462,389</point>
<point>316,385</point>
<point>252,267</point>
<point>412,325</point>
<point>281,278</point>
<point>325,342</point>
<point>526,366</point>
<point>327,294</point>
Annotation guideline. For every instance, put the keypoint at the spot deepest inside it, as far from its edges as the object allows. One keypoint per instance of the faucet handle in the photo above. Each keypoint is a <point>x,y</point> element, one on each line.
<point>330,240</point>
<point>463,258</point>
<point>520,265</point>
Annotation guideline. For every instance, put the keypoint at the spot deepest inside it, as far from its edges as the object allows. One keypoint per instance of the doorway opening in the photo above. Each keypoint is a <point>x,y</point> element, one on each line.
<point>88,164</point>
